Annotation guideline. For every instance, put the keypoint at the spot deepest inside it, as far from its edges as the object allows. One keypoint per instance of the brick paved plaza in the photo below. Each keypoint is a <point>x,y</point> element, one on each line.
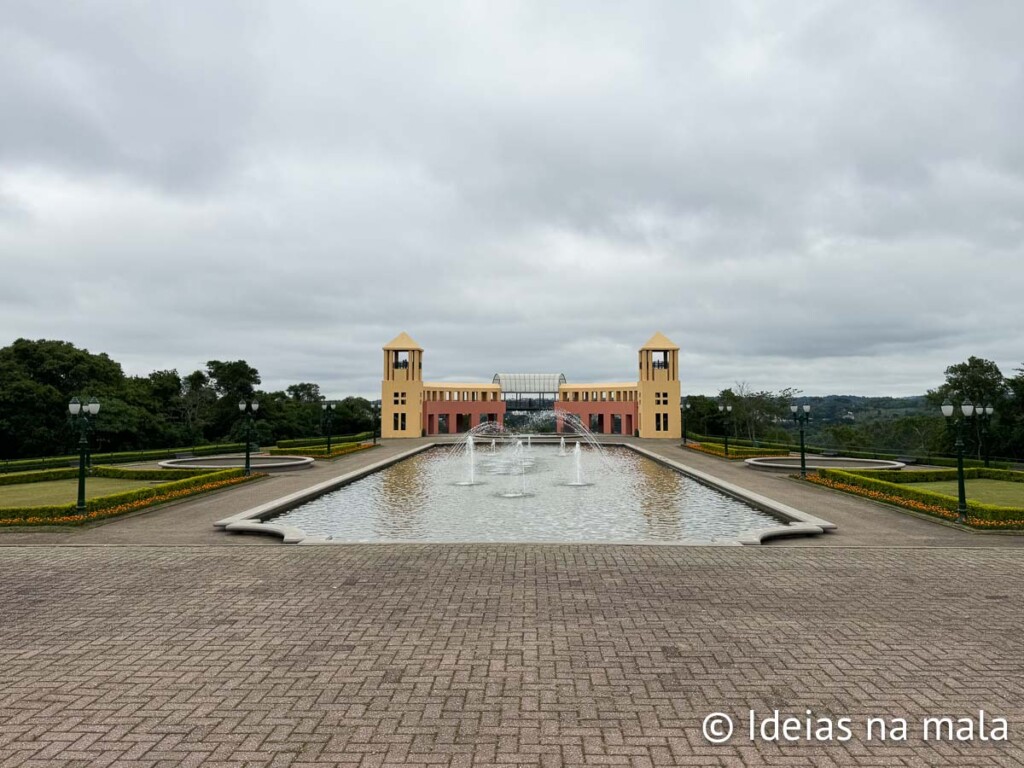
<point>133,644</point>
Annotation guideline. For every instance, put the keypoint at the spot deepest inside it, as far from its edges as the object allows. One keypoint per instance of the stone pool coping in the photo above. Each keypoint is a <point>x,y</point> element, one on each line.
<point>257,519</point>
<point>798,523</point>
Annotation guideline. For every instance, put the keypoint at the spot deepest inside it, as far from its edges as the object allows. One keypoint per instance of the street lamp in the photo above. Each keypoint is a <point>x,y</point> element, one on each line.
<point>248,407</point>
<point>328,412</point>
<point>683,408</point>
<point>726,410</point>
<point>801,415</point>
<point>967,409</point>
<point>83,412</point>
<point>984,413</point>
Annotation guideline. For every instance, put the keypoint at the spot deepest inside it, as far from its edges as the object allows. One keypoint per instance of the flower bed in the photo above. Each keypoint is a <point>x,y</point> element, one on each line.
<point>321,442</point>
<point>871,485</point>
<point>321,453</point>
<point>735,452</point>
<point>129,501</point>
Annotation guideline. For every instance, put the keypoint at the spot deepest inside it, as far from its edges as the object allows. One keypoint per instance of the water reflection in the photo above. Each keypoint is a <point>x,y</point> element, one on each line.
<point>628,498</point>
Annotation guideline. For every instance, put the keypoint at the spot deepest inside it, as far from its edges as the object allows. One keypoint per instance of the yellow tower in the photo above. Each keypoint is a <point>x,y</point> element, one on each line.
<point>401,391</point>
<point>659,389</point>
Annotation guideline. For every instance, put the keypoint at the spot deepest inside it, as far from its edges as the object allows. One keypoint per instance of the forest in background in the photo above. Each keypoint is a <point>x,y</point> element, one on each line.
<point>162,410</point>
<point>167,409</point>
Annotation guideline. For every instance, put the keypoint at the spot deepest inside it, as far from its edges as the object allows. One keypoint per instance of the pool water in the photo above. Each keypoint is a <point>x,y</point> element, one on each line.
<point>524,495</point>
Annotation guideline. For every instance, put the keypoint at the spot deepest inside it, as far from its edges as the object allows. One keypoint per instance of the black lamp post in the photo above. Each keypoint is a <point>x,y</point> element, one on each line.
<point>726,410</point>
<point>83,412</point>
<point>683,408</point>
<point>376,420</point>
<point>328,413</point>
<point>801,417</point>
<point>248,407</point>
<point>967,409</point>
<point>984,414</point>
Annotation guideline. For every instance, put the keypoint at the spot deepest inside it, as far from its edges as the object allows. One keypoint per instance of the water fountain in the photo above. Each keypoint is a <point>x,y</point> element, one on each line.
<point>471,460</point>
<point>526,491</point>
<point>577,455</point>
<point>519,468</point>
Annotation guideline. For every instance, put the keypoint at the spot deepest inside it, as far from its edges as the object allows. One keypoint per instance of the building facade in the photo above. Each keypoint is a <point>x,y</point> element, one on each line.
<point>648,407</point>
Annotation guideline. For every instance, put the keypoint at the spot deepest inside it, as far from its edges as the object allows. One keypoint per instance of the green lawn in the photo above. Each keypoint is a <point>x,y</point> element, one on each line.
<point>1001,492</point>
<point>65,491</point>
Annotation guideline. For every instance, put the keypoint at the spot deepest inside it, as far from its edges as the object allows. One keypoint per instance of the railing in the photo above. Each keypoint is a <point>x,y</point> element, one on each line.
<point>530,404</point>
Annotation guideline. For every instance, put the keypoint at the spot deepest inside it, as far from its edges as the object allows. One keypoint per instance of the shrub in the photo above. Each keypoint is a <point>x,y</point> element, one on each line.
<point>320,453</point>
<point>866,483</point>
<point>122,503</point>
<point>22,465</point>
<point>316,441</point>
<point>17,478</point>
<point>739,452</point>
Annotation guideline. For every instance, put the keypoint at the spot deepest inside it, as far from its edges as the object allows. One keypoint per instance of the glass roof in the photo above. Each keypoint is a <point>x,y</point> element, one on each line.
<point>529,382</point>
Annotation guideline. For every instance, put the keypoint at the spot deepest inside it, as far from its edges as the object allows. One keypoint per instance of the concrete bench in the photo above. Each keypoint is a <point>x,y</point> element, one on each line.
<point>829,453</point>
<point>184,455</point>
<point>906,459</point>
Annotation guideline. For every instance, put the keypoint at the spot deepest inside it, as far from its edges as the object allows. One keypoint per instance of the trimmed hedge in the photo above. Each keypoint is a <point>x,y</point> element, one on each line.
<point>940,461</point>
<point>320,453</point>
<point>122,503</point>
<point>937,475</point>
<point>120,473</point>
<point>739,452</point>
<point>21,465</point>
<point>47,475</point>
<point>868,483</point>
<point>313,441</point>
<point>42,476</point>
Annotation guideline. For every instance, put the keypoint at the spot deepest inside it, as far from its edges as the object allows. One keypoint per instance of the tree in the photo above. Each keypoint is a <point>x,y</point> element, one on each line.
<point>197,403</point>
<point>981,382</point>
<point>305,392</point>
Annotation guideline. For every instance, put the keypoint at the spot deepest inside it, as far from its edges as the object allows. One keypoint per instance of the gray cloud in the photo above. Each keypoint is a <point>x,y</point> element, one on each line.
<point>822,196</point>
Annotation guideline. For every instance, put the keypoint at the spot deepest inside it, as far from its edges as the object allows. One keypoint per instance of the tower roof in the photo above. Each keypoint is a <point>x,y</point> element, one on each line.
<point>659,341</point>
<point>403,341</point>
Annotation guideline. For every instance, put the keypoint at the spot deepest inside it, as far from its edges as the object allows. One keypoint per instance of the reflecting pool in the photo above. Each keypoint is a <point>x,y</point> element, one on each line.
<point>515,491</point>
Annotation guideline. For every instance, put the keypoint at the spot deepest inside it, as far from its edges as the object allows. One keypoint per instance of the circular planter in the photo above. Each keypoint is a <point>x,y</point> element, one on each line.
<point>792,463</point>
<point>256,463</point>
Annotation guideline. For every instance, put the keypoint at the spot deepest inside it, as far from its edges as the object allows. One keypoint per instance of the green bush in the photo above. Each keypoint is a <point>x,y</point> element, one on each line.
<point>46,475</point>
<point>735,452</point>
<point>921,500</point>
<point>937,475</point>
<point>121,473</point>
<point>22,465</point>
<point>319,453</point>
<point>124,498</point>
<point>940,461</point>
<point>17,478</point>
<point>314,441</point>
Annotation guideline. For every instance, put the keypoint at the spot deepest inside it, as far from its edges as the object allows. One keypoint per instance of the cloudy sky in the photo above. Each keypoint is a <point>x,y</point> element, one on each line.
<point>827,196</point>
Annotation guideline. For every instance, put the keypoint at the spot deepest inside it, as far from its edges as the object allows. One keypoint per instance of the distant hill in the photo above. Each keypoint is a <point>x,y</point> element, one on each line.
<point>863,410</point>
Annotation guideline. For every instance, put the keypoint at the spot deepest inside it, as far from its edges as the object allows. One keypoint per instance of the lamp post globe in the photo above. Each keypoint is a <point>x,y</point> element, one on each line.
<point>83,412</point>
<point>966,409</point>
<point>248,408</point>
<point>726,410</point>
<point>683,408</point>
<point>801,414</point>
<point>328,409</point>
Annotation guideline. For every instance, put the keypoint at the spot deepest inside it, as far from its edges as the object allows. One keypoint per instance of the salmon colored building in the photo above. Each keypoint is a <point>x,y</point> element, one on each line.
<point>648,407</point>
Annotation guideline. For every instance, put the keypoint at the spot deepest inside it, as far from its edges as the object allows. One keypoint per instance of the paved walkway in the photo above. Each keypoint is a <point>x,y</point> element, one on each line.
<point>184,646</point>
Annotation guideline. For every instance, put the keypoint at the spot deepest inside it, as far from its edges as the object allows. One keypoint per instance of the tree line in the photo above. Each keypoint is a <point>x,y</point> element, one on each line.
<point>161,410</point>
<point>908,425</point>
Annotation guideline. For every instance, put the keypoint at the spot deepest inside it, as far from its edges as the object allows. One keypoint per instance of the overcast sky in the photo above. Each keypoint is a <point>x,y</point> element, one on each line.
<point>826,196</point>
